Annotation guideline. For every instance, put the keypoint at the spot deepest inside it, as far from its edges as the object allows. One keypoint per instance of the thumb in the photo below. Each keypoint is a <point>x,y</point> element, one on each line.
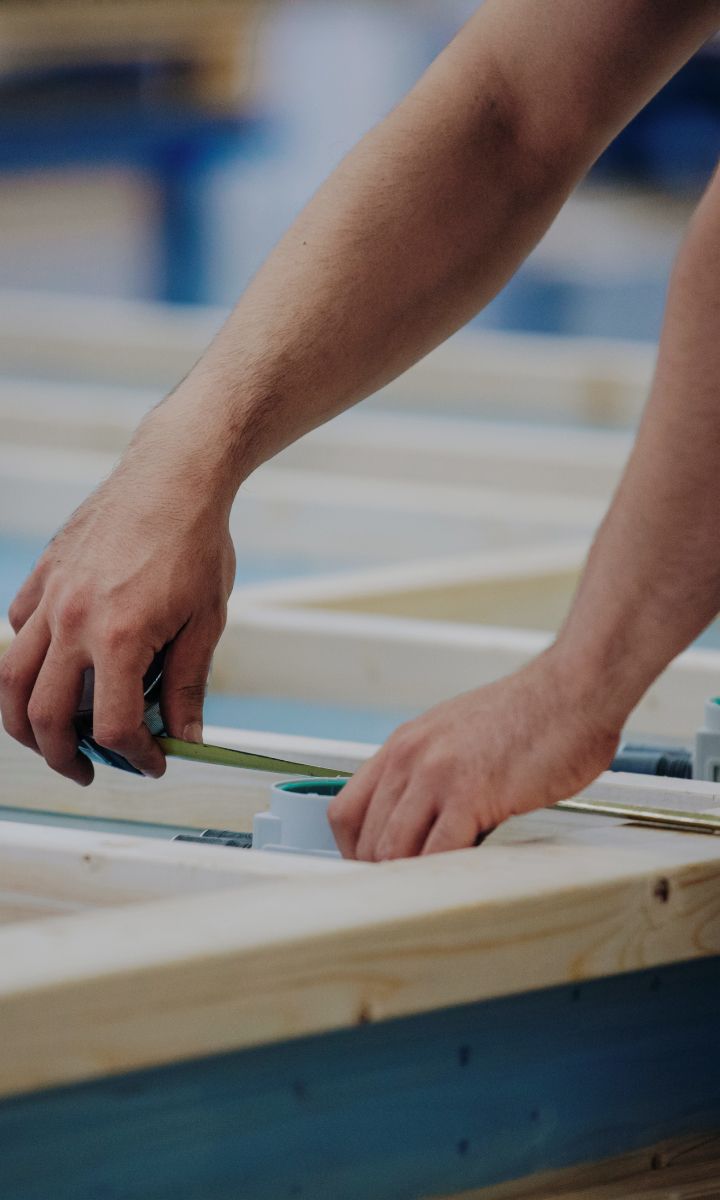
<point>185,674</point>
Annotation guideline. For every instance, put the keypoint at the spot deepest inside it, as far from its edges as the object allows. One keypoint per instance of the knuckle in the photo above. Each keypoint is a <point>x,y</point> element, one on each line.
<point>16,614</point>
<point>15,728</point>
<point>117,634</point>
<point>9,676</point>
<point>114,736</point>
<point>402,746</point>
<point>41,718</point>
<point>70,613</point>
<point>436,764</point>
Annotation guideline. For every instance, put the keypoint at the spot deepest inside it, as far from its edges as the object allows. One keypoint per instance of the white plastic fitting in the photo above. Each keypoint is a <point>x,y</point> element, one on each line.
<point>296,822</point>
<point>706,758</point>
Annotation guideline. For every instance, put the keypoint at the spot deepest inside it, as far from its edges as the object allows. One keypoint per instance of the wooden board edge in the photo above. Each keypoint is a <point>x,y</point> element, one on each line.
<point>237,968</point>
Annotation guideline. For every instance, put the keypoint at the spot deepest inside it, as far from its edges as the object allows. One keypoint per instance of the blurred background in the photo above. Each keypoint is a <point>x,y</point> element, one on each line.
<point>152,152</point>
<point>157,151</point>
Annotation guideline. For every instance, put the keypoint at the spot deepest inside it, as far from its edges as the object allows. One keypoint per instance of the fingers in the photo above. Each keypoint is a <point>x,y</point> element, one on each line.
<point>455,829</point>
<point>378,815</point>
<point>26,601</point>
<point>118,712</point>
<point>51,711</point>
<point>187,666</point>
<point>346,811</point>
<point>408,826</point>
<point>382,805</point>
<point>19,669</point>
<point>387,813</point>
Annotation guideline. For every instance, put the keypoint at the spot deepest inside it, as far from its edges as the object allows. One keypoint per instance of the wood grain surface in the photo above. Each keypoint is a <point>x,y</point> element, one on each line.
<point>152,981</point>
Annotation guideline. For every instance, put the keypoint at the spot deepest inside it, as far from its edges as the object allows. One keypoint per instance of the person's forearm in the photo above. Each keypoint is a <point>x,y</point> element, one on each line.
<point>652,582</point>
<point>431,213</point>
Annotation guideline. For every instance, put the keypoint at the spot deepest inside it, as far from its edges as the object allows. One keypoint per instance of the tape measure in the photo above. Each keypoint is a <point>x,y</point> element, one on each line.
<point>175,747</point>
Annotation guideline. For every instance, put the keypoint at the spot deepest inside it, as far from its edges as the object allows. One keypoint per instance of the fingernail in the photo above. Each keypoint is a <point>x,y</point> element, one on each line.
<point>193,732</point>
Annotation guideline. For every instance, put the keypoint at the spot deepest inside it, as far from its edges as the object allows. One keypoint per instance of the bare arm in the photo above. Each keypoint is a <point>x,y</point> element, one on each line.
<point>416,230</point>
<point>651,584</point>
<point>434,210</point>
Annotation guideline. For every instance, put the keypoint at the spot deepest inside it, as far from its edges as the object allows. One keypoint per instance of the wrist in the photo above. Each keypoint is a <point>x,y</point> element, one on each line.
<point>601,682</point>
<point>234,407</point>
<point>194,446</point>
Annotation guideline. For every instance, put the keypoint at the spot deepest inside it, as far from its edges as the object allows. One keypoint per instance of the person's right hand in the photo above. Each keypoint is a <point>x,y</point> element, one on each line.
<point>146,561</point>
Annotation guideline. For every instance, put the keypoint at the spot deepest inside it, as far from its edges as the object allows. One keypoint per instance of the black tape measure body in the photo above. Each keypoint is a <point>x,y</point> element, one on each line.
<point>152,683</point>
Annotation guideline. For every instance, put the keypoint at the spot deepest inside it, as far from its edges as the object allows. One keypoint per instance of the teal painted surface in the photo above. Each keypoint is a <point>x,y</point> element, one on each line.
<point>430,1105</point>
<point>283,715</point>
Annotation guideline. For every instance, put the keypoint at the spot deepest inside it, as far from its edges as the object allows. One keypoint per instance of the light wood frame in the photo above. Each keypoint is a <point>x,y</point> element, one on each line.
<point>140,344</point>
<point>328,520</point>
<point>371,443</point>
<point>330,949</point>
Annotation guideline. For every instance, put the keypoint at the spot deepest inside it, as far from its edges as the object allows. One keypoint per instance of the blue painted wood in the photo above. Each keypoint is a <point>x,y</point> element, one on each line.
<point>429,1105</point>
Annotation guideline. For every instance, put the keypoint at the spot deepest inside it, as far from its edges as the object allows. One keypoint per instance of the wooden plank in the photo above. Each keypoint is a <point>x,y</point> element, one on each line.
<point>189,794</point>
<point>135,343</point>
<point>138,343</point>
<point>46,871</point>
<point>418,663</point>
<point>322,519</point>
<point>432,1105</point>
<point>520,587</point>
<point>465,451</point>
<point>408,604</point>
<point>686,1168</point>
<point>160,981</point>
<point>51,871</point>
<point>367,661</point>
<point>200,796</point>
<point>37,30</point>
<point>376,444</point>
<point>594,380</point>
<point>397,663</point>
<point>527,587</point>
<point>92,868</point>
<point>72,415</point>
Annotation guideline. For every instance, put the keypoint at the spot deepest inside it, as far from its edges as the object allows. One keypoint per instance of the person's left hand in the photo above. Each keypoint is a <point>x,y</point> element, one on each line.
<point>453,774</point>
